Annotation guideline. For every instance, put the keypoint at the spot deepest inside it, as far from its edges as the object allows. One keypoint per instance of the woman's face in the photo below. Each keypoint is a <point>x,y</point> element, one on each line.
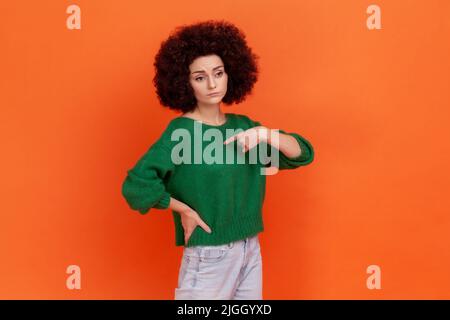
<point>207,76</point>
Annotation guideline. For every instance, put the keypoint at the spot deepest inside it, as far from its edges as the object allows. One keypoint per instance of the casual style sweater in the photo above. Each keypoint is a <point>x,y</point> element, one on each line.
<point>227,195</point>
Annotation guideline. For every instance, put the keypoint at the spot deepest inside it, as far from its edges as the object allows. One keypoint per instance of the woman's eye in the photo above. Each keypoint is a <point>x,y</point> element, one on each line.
<point>217,74</point>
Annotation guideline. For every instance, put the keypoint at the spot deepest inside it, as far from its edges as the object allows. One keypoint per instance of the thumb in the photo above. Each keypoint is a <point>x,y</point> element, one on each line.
<point>203,225</point>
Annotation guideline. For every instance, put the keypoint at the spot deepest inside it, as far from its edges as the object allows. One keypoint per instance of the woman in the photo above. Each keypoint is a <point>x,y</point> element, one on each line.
<point>216,203</point>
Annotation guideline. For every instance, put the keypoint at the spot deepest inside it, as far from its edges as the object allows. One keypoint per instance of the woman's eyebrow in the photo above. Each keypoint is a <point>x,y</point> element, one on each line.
<point>200,71</point>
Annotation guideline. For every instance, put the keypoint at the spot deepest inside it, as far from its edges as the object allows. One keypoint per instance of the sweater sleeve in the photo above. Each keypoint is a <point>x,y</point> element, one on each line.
<point>305,158</point>
<point>144,186</point>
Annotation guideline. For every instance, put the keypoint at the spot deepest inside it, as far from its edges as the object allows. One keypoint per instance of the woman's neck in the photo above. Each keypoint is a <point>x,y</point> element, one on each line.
<point>209,115</point>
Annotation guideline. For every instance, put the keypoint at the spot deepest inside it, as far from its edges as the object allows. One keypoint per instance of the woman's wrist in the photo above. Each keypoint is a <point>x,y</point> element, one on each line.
<point>178,206</point>
<point>266,134</point>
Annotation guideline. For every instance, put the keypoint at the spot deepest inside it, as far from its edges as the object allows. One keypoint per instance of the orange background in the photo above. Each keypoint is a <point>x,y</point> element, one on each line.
<point>78,109</point>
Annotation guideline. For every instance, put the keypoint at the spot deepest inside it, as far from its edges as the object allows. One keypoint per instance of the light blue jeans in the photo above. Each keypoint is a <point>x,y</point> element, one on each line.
<point>230,271</point>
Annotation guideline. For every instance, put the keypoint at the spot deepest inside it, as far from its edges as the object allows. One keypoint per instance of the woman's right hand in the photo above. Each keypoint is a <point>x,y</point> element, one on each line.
<point>190,219</point>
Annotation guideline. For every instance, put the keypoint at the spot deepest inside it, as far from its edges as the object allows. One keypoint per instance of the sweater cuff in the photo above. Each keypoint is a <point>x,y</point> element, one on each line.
<point>164,202</point>
<point>305,151</point>
<point>306,156</point>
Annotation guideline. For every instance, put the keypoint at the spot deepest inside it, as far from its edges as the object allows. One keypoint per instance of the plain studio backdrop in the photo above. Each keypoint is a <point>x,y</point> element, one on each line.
<point>78,108</point>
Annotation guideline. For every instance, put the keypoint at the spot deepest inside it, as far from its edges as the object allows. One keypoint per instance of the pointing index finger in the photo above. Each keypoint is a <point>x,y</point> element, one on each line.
<point>230,139</point>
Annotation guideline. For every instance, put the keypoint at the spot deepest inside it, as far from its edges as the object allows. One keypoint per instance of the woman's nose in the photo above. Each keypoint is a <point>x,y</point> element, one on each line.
<point>212,83</point>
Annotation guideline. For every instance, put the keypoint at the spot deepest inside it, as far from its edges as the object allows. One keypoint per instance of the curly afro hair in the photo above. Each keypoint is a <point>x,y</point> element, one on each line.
<point>185,44</point>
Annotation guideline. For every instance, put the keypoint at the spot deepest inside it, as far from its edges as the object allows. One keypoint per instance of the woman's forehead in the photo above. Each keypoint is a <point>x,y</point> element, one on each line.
<point>206,63</point>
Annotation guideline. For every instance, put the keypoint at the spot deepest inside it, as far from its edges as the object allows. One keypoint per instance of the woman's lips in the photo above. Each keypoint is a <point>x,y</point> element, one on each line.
<point>214,94</point>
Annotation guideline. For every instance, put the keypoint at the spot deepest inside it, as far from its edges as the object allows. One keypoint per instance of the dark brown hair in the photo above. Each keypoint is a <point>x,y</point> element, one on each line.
<point>187,43</point>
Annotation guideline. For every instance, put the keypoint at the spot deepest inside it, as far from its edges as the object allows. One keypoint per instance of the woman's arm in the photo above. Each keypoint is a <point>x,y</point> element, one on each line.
<point>283,142</point>
<point>286,143</point>
<point>189,218</point>
<point>295,150</point>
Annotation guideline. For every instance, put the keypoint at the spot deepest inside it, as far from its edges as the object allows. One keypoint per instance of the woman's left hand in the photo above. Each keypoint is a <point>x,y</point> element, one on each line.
<point>250,137</point>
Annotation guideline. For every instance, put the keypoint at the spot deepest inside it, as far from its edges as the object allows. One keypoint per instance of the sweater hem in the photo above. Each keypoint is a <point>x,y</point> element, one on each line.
<point>244,227</point>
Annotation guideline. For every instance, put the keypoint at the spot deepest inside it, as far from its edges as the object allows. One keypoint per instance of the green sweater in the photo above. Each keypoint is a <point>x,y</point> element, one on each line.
<point>227,196</point>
